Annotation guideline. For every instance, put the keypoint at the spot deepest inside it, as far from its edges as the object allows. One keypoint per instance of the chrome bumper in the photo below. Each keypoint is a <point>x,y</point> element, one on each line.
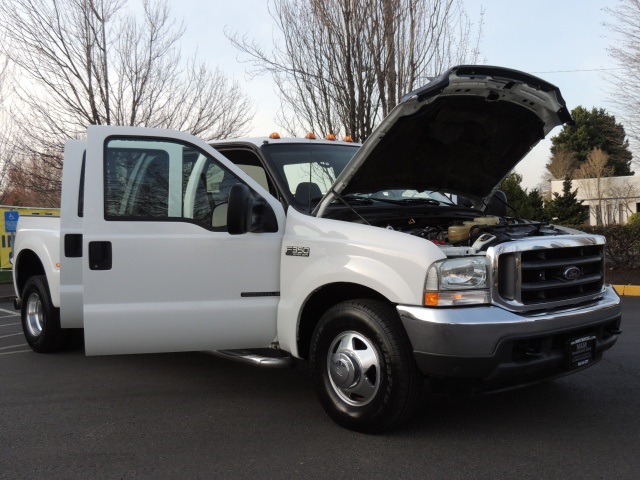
<point>478,341</point>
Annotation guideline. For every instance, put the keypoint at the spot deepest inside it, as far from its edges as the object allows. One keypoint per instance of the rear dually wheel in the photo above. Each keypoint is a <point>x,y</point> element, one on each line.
<point>40,318</point>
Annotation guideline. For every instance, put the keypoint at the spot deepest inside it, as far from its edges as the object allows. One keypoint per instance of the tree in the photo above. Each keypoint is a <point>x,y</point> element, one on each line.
<point>562,163</point>
<point>625,51</point>
<point>536,203</point>
<point>594,128</point>
<point>32,182</point>
<point>597,184</point>
<point>566,209</point>
<point>596,173</point>
<point>522,204</point>
<point>623,195</point>
<point>344,64</point>
<point>91,62</point>
<point>7,150</point>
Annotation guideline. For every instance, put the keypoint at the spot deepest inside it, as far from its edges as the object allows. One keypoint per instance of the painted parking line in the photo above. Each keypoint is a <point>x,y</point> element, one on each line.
<point>9,324</point>
<point>12,313</point>
<point>11,335</point>
<point>17,351</point>
<point>14,346</point>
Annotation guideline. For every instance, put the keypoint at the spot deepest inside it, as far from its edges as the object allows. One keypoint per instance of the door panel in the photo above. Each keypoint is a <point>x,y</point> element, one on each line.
<point>176,281</point>
<point>71,230</point>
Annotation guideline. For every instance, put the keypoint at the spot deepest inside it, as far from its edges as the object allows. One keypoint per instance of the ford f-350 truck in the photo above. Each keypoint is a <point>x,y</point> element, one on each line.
<point>382,265</point>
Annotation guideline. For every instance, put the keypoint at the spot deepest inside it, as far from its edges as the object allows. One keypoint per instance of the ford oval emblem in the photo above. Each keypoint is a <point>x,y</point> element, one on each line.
<point>571,273</point>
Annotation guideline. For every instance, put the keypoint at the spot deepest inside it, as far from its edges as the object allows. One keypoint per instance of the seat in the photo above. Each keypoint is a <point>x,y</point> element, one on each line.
<point>306,191</point>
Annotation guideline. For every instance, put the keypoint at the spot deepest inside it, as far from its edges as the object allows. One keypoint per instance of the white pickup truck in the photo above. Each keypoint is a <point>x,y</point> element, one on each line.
<point>381,265</point>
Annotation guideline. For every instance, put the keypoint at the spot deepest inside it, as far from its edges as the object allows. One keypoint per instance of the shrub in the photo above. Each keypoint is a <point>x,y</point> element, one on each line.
<point>634,219</point>
<point>623,243</point>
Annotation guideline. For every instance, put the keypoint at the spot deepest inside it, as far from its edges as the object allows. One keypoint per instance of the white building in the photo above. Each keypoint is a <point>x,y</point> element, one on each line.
<point>613,198</point>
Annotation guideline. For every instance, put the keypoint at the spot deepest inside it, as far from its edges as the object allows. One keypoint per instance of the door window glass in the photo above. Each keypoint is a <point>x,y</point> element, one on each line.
<point>165,181</point>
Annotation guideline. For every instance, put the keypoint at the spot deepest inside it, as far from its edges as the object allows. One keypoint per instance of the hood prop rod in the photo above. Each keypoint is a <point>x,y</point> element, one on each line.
<point>339,197</point>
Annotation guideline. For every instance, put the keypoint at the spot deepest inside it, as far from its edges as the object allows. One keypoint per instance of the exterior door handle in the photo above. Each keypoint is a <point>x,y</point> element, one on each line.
<point>100,256</point>
<point>73,245</point>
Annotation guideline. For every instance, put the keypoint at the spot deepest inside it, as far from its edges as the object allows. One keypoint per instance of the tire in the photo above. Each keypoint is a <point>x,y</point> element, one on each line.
<point>40,319</point>
<point>363,368</point>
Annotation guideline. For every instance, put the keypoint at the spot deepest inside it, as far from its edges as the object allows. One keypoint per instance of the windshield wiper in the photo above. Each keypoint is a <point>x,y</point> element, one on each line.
<point>355,198</point>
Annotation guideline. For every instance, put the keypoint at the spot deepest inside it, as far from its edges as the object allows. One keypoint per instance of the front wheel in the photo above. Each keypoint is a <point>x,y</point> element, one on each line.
<point>363,368</point>
<point>40,318</point>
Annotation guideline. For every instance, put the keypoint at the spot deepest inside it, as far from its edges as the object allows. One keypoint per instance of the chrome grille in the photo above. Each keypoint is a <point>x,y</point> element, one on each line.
<point>548,275</point>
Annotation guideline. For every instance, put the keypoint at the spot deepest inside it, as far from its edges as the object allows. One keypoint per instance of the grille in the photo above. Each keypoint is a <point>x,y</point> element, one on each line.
<point>547,275</point>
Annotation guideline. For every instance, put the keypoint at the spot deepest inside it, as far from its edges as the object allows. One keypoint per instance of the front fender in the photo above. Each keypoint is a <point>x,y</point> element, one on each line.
<point>318,252</point>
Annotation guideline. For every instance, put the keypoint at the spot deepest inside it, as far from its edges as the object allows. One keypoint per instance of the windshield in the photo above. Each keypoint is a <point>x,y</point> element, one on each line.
<point>308,170</point>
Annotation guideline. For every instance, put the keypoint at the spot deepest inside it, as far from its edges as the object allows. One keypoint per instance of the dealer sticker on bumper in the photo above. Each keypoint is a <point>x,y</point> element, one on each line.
<point>581,351</point>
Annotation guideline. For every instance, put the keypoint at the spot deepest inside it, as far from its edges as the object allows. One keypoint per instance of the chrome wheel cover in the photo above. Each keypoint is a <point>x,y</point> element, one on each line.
<point>34,315</point>
<point>354,368</point>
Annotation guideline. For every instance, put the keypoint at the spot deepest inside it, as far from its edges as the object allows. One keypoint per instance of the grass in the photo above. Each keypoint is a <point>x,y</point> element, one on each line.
<point>6,276</point>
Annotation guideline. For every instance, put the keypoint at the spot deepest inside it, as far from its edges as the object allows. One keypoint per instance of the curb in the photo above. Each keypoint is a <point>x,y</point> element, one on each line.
<point>628,290</point>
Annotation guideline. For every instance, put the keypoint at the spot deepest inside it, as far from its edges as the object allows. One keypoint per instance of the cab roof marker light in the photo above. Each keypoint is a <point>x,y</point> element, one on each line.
<point>310,136</point>
<point>274,135</point>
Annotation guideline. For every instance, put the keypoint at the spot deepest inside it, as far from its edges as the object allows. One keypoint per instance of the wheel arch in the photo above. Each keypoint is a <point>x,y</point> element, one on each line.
<point>321,300</point>
<point>27,264</point>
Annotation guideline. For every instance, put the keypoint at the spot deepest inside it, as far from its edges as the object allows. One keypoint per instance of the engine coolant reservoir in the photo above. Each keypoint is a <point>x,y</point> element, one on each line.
<point>460,233</point>
<point>488,220</point>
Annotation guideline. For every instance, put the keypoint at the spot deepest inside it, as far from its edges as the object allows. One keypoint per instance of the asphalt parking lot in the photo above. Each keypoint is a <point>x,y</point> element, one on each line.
<point>192,415</point>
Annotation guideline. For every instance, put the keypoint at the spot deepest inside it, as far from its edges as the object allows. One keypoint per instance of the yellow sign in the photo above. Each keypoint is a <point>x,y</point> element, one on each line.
<point>9,214</point>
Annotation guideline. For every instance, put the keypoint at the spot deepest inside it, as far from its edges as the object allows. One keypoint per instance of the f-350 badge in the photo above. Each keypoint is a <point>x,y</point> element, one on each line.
<point>297,251</point>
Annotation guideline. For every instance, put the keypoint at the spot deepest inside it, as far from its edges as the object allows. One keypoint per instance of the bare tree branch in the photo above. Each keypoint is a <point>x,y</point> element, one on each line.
<point>342,65</point>
<point>596,180</point>
<point>93,62</point>
<point>625,50</point>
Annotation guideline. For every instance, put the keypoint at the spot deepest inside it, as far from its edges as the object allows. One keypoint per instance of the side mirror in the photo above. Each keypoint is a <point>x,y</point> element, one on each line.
<point>497,204</point>
<point>249,212</point>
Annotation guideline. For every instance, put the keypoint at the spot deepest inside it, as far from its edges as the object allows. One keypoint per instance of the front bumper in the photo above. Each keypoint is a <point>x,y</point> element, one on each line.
<point>494,348</point>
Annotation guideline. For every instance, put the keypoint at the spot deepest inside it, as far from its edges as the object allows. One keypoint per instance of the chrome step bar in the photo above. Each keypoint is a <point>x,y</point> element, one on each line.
<point>261,357</point>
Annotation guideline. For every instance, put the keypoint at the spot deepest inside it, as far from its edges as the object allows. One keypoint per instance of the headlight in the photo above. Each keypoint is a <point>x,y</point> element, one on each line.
<point>457,281</point>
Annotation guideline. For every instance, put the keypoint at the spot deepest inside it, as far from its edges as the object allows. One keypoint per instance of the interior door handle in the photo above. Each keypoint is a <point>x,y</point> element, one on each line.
<point>100,256</point>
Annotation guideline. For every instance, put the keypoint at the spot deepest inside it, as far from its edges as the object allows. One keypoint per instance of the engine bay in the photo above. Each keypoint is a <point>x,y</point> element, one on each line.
<point>479,233</point>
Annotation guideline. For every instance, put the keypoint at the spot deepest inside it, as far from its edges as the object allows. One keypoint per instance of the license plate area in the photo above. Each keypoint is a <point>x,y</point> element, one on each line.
<point>580,351</point>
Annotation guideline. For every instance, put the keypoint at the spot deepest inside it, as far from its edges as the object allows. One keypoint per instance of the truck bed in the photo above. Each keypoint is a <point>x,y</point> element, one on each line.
<point>40,235</point>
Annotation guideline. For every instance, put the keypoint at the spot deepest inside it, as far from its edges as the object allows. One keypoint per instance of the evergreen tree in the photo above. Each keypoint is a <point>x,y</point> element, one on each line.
<point>593,129</point>
<point>566,209</point>
<point>518,198</point>
<point>536,203</point>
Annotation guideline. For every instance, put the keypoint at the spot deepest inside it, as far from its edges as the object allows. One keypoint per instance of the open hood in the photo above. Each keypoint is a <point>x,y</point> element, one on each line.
<point>461,133</point>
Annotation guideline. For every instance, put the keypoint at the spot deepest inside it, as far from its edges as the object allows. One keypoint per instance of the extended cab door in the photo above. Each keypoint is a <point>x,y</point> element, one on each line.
<point>162,273</point>
<point>71,229</point>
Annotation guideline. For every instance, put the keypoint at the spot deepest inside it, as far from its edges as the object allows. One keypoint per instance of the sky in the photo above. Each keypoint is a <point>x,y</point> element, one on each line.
<point>562,41</point>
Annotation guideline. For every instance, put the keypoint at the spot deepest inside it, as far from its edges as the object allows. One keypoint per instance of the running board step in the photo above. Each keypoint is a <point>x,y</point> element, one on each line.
<point>261,357</point>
